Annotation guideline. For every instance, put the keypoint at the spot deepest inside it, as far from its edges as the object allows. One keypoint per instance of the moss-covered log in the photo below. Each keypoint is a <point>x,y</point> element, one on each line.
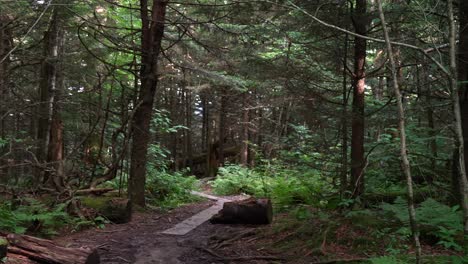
<point>117,210</point>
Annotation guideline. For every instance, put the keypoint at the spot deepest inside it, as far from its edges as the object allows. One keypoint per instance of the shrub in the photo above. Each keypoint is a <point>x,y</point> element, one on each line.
<point>170,190</point>
<point>284,186</point>
<point>235,179</point>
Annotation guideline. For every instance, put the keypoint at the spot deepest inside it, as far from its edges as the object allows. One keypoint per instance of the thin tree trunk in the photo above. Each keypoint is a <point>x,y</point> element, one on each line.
<point>459,140</point>
<point>244,153</point>
<point>357,125</point>
<point>151,37</point>
<point>405,164</point>
<point>430,120</point>
<point>5,45</point>
<point>344,123</point>
<point>205,121</point>
<point>173,105</point>
<point>222,126</point>
<point>188,142</point>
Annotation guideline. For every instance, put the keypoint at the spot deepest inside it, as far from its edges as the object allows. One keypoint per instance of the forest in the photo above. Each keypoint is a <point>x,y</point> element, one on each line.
<point>233,131</point>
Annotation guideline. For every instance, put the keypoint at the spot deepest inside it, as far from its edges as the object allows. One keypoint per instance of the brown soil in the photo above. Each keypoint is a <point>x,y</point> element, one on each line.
<point>140,241</point>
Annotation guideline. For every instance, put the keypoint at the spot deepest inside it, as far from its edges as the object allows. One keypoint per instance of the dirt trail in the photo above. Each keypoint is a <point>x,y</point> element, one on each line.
<point>142,241</point>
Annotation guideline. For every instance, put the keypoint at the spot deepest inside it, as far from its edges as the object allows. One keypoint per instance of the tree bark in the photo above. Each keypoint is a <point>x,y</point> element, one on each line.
<point>430,121</point>
<point>405,164</point>
<point>5,46</point>
<point>357,123</point>
<point>188,124</point>
<point>222,126</point>
<point>151,38</point>
<point>459,100</point>
<point>46,251</point>
<point>344,123</point>
<point>244,153</point>
<point>50,139</point>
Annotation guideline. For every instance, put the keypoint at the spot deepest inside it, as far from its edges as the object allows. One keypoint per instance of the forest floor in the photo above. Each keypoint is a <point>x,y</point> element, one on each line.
<point>287,240</point>
<point>141,240</point>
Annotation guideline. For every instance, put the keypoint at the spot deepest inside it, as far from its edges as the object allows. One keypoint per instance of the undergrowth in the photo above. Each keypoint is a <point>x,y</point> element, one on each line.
<point>34,217</point>
<point>296,191</point>
<point>286,187</point>
<point>170,190</point>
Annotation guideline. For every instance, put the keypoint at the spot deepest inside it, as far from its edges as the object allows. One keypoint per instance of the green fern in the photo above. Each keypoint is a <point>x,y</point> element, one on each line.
<point>35,214</point>
<point>438,219</point>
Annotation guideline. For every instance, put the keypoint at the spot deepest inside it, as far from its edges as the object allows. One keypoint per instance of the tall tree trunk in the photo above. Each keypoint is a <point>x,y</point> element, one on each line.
<point>222,126</point>
<point>344,123</point>
<point>244,153</point>
<point>405,164</point>
<point>205,122</point>
<point>430,120</point>
<point>188,124</point>
<point>151,38</point>
<point>174,106</point>
<point>460,101</point>
<point>5,46</point>
<point>50,139</point>
<point>357,125</point>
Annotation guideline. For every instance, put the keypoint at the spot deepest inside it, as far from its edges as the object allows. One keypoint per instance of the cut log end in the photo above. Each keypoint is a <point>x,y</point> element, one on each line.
<point>251,212</point>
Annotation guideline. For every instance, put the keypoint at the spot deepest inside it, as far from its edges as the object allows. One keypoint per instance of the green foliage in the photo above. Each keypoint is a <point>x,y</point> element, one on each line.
<point>284,186</point>
<point>435,218</point>
<point>98,221</point>
<point>169,190</point>
<point>9,221</point>
<point>36,216</point>
<point>235,179</point>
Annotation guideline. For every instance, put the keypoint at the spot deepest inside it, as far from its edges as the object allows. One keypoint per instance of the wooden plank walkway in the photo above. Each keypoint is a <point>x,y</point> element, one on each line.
<point>196,220</point>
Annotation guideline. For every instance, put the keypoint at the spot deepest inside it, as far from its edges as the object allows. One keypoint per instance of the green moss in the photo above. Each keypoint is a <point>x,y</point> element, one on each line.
<point>3,248</point>
<point>117,210</point>
<point>95,202</point>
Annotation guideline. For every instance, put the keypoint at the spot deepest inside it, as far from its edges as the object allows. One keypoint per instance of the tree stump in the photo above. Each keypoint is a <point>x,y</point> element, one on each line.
<point>117,210</point>
<point>46,251</point>
<point>250,211</point>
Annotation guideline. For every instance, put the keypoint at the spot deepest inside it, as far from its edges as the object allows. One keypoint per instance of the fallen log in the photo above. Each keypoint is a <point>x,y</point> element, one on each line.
<point>46,251</point>
<point>95,191</point>
<point>250,211</point>
<point>116,210</point>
